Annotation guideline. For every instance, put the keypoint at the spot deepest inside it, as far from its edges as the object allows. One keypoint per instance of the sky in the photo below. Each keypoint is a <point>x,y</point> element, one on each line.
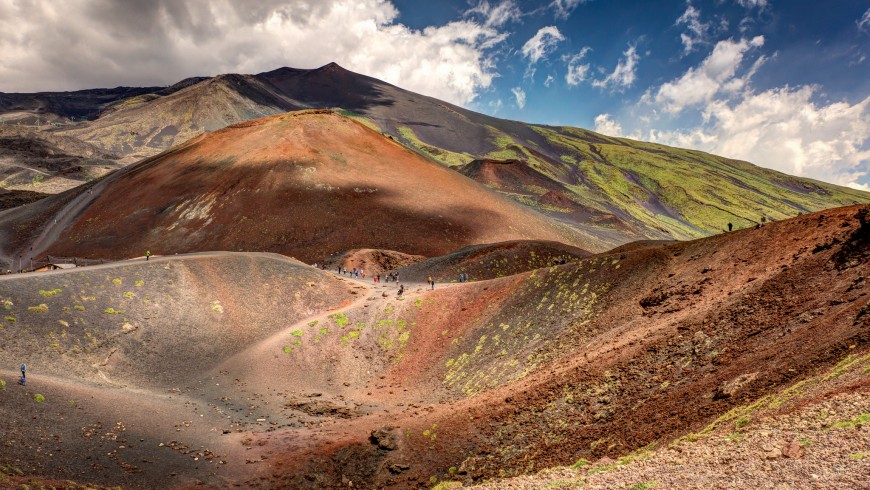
<point>784,84</point>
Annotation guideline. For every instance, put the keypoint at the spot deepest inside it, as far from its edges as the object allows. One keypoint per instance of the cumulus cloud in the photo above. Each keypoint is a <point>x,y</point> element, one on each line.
<point>604,124</point>
<point>714,75</point>
<point>784,129</point>
<point>549,81</point>
<point>91,43</point>
<point>520,95</point>
<point>624,74</point>
<point>542,43</point>
<point>563,8</point>
<point>864,21</point>
<point>577,72</point>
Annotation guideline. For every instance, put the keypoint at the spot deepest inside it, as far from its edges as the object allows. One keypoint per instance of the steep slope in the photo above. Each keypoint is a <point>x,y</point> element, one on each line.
<point>595,358</point>
<point>488,261</point>
<point>41,160</point>
<point>324,382</point>
<point>143,126</point>
<point>306,184</point>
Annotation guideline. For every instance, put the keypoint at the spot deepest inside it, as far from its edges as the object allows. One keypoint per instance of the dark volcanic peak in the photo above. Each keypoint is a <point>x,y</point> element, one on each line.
<point>624,190</point>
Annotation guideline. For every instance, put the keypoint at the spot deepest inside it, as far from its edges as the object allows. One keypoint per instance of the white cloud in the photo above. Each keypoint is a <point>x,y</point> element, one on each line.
<point>577,72</point>
<point>864,21</point>
<point>696,31</point>
<point>563,8</point>
<point>860,187</point>
<point>624,74</point>
<point>543,42</point>
<point>520,96</point>
<point>495,106</point>
<point>97,43</point>
<point>496,15</point>
<point>783,129</point>
<point>752,3</point>
<point>607,126</point>
<point>714,75</point>
<point>549,81</point>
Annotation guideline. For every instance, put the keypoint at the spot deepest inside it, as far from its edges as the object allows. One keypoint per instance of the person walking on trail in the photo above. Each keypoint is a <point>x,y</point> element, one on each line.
<point>23,379</point>
<point>401,289</point>
<point>147,255</point>
<point>730,226</point>
<point>432,282</point>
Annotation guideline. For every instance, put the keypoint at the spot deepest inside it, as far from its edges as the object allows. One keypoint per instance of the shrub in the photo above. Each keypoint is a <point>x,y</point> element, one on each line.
<point>38,398</point>
<point>41,308</point>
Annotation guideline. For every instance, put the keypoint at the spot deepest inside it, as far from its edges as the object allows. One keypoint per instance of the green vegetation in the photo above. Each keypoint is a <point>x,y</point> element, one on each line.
<point>430,432</point>
<point>41,308</point>
<point>358,118</point>
<point>440,155</point>
<point>50,293</point>
<point>312,323</point>
<point>858,421</point>
<point>38,398</point>
<point>112,311</point>
<point>116,281</point>
<point>741,416</point>
<point>139,283</point>
<point>340,319</point>
<point>580,463</point>
<point>643,485</point>
<point>79,308</point>
<point>10,319</point>
<point>2,385</point>
<point>296,333</point>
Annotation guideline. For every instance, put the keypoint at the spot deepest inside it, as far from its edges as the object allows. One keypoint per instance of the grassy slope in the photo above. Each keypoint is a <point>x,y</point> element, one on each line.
<point>664,192</point>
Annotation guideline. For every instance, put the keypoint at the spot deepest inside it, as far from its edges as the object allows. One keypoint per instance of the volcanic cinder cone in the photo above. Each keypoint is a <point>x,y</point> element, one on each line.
<point>305,184</point>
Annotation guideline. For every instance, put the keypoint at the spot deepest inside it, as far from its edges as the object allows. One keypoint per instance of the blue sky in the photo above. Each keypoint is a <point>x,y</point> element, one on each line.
<point>783,84</point>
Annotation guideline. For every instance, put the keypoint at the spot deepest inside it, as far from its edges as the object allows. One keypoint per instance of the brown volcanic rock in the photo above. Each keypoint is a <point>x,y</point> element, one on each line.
<point>481,262</point>
<point>510,173</point>
<point>305,184</point>
<point>591,359</point>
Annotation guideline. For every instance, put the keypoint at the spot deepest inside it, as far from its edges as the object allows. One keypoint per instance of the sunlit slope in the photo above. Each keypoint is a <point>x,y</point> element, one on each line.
<point>306,184</point>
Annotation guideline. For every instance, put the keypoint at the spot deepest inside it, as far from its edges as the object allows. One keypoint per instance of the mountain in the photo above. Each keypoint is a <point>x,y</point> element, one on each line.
<point>611,190</point>
<point>50,162</point>
<point>306,184</point>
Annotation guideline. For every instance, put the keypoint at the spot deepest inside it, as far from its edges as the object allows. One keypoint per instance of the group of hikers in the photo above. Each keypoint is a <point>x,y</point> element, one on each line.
<point>355,273</point>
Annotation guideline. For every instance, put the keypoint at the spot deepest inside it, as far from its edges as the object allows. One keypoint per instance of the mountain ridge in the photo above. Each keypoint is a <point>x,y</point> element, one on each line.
<point>616,189</point>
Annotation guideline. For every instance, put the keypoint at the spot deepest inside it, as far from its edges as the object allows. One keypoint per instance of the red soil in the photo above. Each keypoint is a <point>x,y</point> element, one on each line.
<point>305,184</point>
<point>597,357</point>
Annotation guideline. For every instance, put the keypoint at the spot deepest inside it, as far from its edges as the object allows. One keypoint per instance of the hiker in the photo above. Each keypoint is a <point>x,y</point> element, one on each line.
<point>339,270</point>
<point>23,379</point>
<point>429,280</point>
<point>730,226</point>
<point>432,282</point>
<point>401,289</point>
<point>147,255</point>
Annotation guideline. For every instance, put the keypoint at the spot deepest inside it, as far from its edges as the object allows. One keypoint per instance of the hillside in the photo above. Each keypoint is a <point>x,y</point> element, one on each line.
<point>304,184</point>
<point>613,190</point>
<point>44,161</point>
<point>492,260</point>
<point>171,367</point>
